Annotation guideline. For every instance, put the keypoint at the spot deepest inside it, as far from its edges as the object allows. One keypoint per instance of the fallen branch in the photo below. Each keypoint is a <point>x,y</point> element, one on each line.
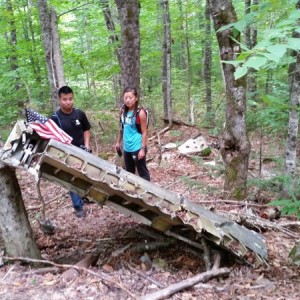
<point>84,263</point>
<point>145,276</point>
<point>142,247</point>
<point>160,132</point>
<point>101,275</point>
<point>174,288</point>
<point>255,221</point>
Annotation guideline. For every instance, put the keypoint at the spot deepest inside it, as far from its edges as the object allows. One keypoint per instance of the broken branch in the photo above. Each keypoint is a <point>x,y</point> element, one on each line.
<point>174,288</point>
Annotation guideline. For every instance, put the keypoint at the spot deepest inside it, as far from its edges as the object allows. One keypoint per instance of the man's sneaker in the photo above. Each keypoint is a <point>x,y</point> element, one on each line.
<point>79,213</point>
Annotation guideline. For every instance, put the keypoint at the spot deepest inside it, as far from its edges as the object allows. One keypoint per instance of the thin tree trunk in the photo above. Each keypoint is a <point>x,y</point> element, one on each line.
<point>250,39</point>
<point>51,43</point>
<point>166,65</point>
<point>291,143</point>
<point>235,145</point>
<point>188,70</point>
<point>207,60</point>
<point>182,60</point>
<point>13,55</point>
<point>15,228</point>
<point>129,12</point>
<point>114,40</point>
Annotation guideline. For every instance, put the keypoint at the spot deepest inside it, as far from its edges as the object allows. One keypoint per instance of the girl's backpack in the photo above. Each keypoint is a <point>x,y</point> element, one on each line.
<point>137,119</point>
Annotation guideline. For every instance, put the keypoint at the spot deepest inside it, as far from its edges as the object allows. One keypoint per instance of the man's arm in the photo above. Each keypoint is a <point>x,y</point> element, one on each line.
<point>86,138</point>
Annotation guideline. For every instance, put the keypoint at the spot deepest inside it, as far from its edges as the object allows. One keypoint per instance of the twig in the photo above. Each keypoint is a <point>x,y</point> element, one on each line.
<point>149,233</point>
<point>146,277</point>
<point>102,276</point>
<point>174,288</point>
<point>160,132</point>
<point>233,202</point>
<point>46,203</point>
<point>293,223</point>
<point>120,251</point>
<point>7,273</point>
<point>41,198</point>
<point>142,247</point>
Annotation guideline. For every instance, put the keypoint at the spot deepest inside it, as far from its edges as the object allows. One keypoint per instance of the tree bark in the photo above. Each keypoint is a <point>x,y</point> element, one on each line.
<point>15,228</point>
<point>293,125</point>
<point>51,43</point>
<point>114,39</point>
<point>130,42</point>
<point>235,145</point>
<point>250,37</point>
<point>13,55</point>
<point>166,63</point>
<point>207,60</point>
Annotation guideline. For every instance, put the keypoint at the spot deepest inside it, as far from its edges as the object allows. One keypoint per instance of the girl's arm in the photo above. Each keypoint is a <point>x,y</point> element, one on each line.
<point>144,130</point>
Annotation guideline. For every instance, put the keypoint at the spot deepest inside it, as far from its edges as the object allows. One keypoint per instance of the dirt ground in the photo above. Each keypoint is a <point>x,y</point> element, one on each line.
<point>120,273</point>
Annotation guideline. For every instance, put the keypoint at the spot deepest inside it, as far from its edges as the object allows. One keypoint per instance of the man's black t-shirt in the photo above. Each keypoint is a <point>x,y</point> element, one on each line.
<point>74,124</point>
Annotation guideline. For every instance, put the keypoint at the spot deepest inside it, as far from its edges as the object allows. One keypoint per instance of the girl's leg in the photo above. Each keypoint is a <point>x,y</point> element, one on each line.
<point>129,162</point>
<point>142,168</point>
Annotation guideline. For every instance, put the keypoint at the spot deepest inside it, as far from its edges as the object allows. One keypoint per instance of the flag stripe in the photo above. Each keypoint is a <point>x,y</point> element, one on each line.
<point>46,128</point>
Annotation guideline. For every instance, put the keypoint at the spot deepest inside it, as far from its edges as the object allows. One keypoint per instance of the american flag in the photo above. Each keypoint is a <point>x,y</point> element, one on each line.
<point>46,128</point>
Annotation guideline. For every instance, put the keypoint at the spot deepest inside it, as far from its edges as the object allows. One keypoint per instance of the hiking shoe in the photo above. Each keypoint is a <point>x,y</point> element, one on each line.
<point>79,213</point>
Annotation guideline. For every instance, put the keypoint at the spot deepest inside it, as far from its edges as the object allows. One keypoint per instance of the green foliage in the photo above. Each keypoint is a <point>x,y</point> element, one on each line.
<point>290,207</point>
<point>290,204</point>
<point>276,40</point>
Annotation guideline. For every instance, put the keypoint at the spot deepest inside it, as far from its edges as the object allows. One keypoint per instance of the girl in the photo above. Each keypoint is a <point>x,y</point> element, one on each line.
<point>134,142</point>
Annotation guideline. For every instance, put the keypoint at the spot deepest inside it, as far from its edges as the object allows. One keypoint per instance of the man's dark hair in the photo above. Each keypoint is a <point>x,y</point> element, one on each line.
<point>65,90</point>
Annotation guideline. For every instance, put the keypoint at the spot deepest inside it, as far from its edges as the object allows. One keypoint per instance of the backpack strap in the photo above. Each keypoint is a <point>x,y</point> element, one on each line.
<point>58,118</point>
<point>56,115</point>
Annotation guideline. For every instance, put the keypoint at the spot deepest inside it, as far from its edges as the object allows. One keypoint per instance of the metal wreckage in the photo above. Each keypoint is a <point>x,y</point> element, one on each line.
<point>110,185</point>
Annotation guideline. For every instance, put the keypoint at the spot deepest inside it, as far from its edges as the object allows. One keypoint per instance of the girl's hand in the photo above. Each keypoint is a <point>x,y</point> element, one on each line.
<point>141,154</point>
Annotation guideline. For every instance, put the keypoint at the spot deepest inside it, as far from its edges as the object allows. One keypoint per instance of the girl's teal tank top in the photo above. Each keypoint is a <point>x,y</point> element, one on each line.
<point>132,139</point>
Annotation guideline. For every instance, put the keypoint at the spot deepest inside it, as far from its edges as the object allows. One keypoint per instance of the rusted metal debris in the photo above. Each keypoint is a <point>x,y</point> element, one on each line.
<point>146,202</point>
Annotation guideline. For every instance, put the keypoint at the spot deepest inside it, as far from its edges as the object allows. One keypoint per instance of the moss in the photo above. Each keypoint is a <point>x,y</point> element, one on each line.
<point>206,151</point>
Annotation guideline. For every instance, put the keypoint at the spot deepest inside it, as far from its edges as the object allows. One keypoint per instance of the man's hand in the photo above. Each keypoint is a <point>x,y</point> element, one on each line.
<point>83,147</point>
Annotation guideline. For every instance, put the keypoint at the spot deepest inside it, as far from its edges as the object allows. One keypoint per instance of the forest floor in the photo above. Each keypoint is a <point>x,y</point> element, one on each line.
<point>119,273</point>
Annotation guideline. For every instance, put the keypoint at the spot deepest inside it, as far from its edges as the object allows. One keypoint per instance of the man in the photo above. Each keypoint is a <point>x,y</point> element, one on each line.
<point>75,123</point>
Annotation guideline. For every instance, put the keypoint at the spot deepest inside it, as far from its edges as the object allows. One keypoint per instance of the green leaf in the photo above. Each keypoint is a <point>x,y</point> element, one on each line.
<point>277,51</point>
<point>232,62</point>
<point>282,202</point>
<point>271,57</point>
<point>293,43</point>
<point>240,72</point>
<point>255,62</point>
<point>240,25</point>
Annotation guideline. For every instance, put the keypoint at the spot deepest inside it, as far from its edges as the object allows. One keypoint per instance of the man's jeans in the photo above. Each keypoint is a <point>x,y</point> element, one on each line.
<point>77,201</point>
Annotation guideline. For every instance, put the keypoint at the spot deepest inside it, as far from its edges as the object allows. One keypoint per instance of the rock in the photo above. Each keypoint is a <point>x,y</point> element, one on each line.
<point>169,146</point>
<point>198,145</point>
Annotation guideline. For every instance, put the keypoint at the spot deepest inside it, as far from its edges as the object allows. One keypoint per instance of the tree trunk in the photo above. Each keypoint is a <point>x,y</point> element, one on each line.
<point>130,42</point>
<point>235,145</point>
<point>14,224</point>
<point>182,60</point>
<point>191,101</point>
<point>291,143</point>
<point>166,63</point>
<point>13,56</point>
<point>51,43</point>
<point>250,38</point>
<point>114,40</point>
<point>207,60</point>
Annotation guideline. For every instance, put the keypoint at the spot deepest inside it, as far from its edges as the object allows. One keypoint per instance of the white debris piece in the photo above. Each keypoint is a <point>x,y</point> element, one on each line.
<point>169,146</point>
<point>210,163</point>
<point>193,145</point>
